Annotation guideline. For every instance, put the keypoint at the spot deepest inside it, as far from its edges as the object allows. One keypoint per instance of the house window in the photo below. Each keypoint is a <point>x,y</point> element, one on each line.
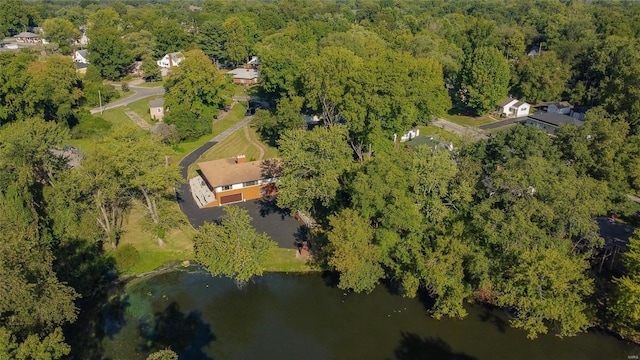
<point>226,187</point>
<point>250,183</point>
<point>159,110</point>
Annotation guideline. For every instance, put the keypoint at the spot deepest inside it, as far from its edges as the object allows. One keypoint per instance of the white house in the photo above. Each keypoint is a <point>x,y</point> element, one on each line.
<point>171,60</point>
<point>510,107</point>
<point>80,57</point>
<point>408,135</point>
<point>254,62</point>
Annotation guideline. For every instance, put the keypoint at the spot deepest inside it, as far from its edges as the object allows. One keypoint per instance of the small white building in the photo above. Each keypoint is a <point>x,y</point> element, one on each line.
<point>511,107</point>
<point>171,60</point>
<point>80,57</point>
<point>408,135</point>
<point>254,62</point>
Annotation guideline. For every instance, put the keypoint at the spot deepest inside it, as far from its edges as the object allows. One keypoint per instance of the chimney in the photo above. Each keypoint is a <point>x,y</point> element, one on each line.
<point>241,159</point>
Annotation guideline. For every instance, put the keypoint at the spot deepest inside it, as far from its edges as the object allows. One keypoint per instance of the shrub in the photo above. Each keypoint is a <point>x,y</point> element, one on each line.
<point>125,256</point>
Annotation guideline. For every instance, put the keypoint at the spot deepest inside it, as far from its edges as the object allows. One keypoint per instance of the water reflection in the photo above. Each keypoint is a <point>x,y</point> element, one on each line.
<point>303,317</point>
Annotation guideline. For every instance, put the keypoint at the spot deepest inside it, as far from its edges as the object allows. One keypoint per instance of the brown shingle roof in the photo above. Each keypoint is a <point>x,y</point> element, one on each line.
<point>227,172</point>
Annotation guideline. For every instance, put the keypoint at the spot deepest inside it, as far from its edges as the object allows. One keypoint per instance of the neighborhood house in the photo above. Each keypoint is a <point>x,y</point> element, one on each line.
<point>171,60</point>
<point>80,57</point>
<point>27,37</point>
<point>232,180</point>
<point>244,76</point>
<point>156,109</point>
<point>551,121</point>
<point>510,107</point>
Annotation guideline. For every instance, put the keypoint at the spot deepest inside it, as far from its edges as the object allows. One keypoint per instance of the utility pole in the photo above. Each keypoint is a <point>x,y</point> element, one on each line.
<point>100,102</point>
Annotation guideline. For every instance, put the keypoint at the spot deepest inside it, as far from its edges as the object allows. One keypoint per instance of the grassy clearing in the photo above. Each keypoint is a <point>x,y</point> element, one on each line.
<point>469,120</point>
<point>141,107</point>
<point>284,260</point>
<point>441,134</point>
<point>136,232</point>
<point>116,116</point>
<point>236,143</point>
<point>236,114</point>
<point>150,84</point>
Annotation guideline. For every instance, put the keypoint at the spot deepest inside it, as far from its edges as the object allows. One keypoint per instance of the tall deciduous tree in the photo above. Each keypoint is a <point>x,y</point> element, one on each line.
<point>54,91</point>
<point>195,92</point>
<point>62,32</point>
<point>625,302</point>
<point>236,43</point>
<point>485,78</point>
<point>540,78</point>
<point>314,163</point>
<point>14,80</point>
<point>109,54</point>
<point>14,17</point>
<point>353,253</point>
<point>233,247</point>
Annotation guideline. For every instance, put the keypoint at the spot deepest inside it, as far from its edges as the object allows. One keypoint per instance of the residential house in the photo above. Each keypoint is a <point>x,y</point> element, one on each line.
<point>27,37</point>
<point>80,57</point>
<point>562,107</point>
<point>244,76</point>
<point>135,69</point>
<point>194,8</point>
<point>511,107</point>
<point>408,135</point>
<point>254,62</point>
<point>170,60</point>
<point>230,181</point>
<point>156,109</point>
<point>551,121</point>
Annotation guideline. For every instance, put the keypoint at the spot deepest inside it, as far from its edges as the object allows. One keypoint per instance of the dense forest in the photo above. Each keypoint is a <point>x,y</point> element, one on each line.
<point>507,221</point>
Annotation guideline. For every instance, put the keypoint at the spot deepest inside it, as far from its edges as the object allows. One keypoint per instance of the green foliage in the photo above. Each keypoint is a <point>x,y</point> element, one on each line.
<point>14,17</point>
<point>484,78</point>
<point>625,300</point>
<point>126,256</point>
<point>540,78</point>
<point>313,165</point>
<point>150,70</point>
<point>165,354</point>
<point>353,254</point>
<point>195,92</point>
<point>34,347</point>
<point>62,32</point>
<point>233,248</point>
<point>96,92</point>
<point>108,52</point>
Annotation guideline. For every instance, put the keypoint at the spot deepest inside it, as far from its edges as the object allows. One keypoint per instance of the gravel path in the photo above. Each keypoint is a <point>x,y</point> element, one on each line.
<point>137,119</point>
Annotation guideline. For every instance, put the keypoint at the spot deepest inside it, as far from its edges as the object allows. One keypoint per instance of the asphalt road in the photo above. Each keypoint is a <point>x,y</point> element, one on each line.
<point>268,218</point>
<point>502,123</point>
<point>140,93</point>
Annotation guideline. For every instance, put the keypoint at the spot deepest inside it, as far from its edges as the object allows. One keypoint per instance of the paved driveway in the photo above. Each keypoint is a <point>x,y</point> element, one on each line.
<point>268,218</point>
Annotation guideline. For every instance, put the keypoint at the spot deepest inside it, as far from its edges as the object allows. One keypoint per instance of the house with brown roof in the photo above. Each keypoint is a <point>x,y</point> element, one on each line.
<point>235,180</point>
<point>244,76</point>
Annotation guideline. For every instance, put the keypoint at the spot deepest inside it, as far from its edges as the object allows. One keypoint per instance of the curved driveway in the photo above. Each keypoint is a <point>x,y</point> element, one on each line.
<point>139,93</point>
<point>267,217</point>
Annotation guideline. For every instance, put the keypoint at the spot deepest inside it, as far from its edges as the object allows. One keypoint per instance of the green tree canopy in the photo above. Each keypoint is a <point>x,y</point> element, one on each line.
<point>196,90</point>
<point>232,248</point>
<point>62,32</point>
<point>484,79</point>
<point>108,52</point>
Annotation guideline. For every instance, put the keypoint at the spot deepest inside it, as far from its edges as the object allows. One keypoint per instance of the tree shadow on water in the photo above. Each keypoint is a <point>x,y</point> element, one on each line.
<point>488,315</point>
<point>186,334</point>
<point>414,347</point>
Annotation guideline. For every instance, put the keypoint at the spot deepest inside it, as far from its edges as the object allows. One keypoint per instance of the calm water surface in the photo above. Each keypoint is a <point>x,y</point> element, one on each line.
<point>300,317</point>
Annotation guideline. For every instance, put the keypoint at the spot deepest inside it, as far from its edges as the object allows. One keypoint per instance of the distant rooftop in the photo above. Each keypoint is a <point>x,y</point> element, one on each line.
<point>156,103</point>
<point>555,119</point>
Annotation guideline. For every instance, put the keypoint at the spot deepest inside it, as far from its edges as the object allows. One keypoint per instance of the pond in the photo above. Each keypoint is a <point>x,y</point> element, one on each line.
<point>281,316</point>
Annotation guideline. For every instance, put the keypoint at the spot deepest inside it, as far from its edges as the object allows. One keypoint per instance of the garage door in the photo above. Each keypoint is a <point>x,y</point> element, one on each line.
<point>230,198</point>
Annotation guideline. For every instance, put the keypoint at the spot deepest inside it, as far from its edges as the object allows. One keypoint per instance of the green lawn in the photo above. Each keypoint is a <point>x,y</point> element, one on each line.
<point>237,143</point>
<point>469,120</point>
<point>116,116</point>
<point>441,134</point>
<point>284,260</point>
<point>141,107</point>
<point>151,84</point>
<point>236,114</point>
<point>136,232</point>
